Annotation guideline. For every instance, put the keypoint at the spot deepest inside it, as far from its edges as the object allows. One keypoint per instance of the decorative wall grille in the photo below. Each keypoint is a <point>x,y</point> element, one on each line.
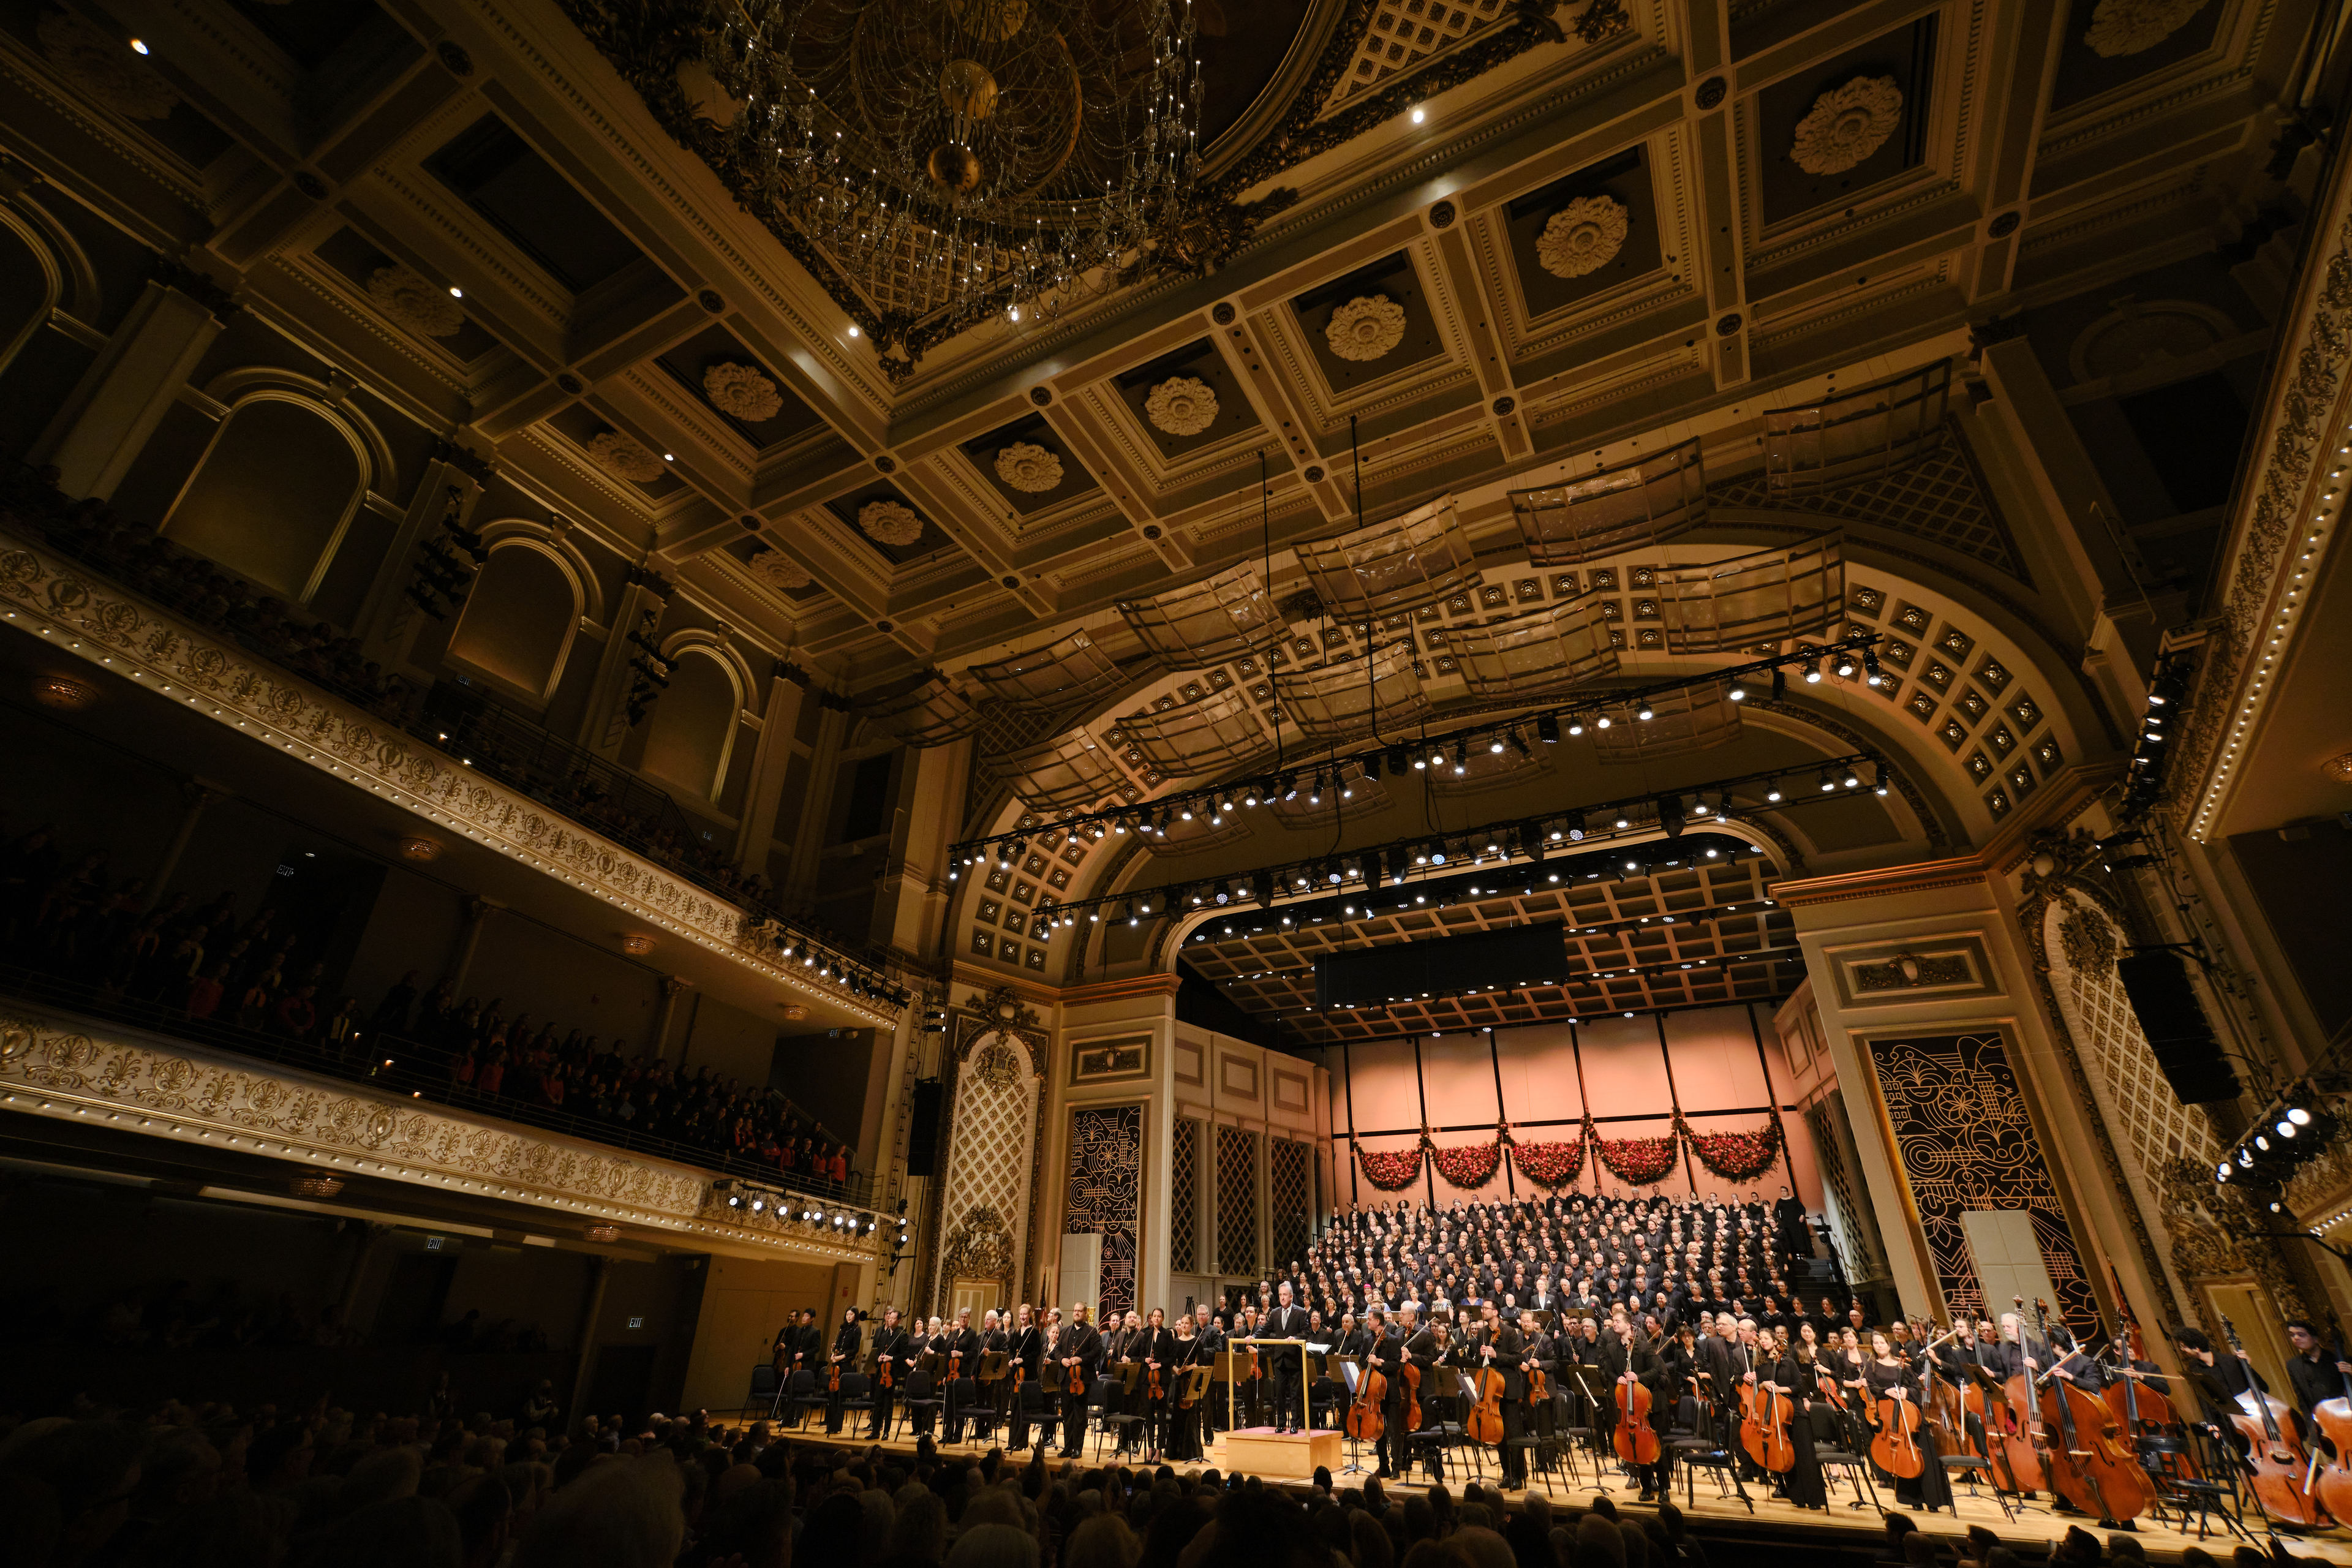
<point>1286,1199</point>
<point>1236,1200</point>
<point>1184,1198</point>
<point>1106,1187</point>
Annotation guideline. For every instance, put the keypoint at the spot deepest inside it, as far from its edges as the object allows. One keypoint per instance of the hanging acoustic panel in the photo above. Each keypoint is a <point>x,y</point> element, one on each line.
<point>1721,606</point>
<point>1070,771</point>
<point>1642,501</point>
<point>1543,650</point>
<point>1219,732</point>
<point>1419,558</point>
<point>1223,617</point>
<point>1694,719</point>
<point>1870,430</point>
<point>924,712</point>
<point>1333,701</point>
<point>1066,670</point>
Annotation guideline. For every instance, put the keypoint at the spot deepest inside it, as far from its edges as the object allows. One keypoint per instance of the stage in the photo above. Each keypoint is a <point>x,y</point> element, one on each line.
<point>1714,1512</point>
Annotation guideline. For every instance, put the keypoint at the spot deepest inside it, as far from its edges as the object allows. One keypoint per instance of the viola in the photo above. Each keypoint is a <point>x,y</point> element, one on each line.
<point>1636,1441</point>
<point>1485,1421</point>
<point>1364,1421</point>
<point>2274,1457</point>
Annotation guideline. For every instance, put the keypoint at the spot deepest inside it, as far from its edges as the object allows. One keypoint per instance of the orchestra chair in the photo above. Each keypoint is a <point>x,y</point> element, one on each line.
<point>1109,1422</point>
<point>1968,1468</point>
<point>1700,1453</point>
<point>1326,1399</point>
<point>2180,1484</point>
<point>767,1390</point>
<point>857,1400</point>
<point>798,1397</point>
<point>917,1392</point>
<point>979,1414</point>
<point>1044,1414</point>
<point>1857,1471</point>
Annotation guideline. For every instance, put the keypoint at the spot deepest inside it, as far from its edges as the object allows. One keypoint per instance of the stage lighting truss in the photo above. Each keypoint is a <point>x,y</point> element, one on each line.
<point>1672,724</point>
<point>1420,558</point>
<point>1542,651</point>
<point>1310,794</point>
<point>1334,702</point>
<point>1856,435</point>
<point>1069,773</point>
<point>1221,618</point>
<point>1219,732</point>
<point>1066,670</point>
<point>925,711</point>
<point>1625,506</point>
<point>1722,606</point>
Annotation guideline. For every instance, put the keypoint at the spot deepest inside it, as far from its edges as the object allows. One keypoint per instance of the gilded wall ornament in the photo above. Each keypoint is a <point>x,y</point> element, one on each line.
<point>95,64</point>
<point>1583,237</point>
<point>779,570</point>
<point>1366,327</point>
<point>1182,405</point>
<point>743,392</point>
<point>624,456</point>
<point>890,522</point>
<point>408,298</point>
<point>2121,27</point>
<point>1847,124</point>
<point>1029,468</point>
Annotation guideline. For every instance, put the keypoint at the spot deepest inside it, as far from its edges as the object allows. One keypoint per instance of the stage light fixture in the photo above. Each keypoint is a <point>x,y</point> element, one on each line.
<point>1548,728</point>
<point>1576,726</point>
<point>1400,759</point>
<point>1829,785</point>
<point>1845,667</point>
<point>1646,713</point>
<point>1575,826</point>
<point>1779,683</point>
<point>1813,673</point>
<point>1738,693</point>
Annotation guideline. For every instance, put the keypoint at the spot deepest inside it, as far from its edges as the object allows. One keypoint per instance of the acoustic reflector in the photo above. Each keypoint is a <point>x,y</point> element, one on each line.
<point>1543,650</point>
<point>1627,505</point>
<point>1333,701</point>
<point>1219,732</point>
<point>1721,606</point>
<point>924,711</point>
<point>1419,558</point>
<point>1694,719</point>
<point>1066,670</point>
<point>1070,771</point>
<point>1223,617</point>
<point>1871,430</point>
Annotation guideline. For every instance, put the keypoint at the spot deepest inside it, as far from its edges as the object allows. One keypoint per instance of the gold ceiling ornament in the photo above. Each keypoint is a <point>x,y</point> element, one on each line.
<point>2120,27</point>
<point>1029,468</point>
<point>890,522</point>
<point>743,392</point>
<point>625,456</point>
<point>408,298</point>
<point>1847,124</point>
<point>1182,405</point>
<point>1365,328</point>
<point>1583,237</point>
<point>636,943</point>
<point>103,67</point>
<point>779,570</point>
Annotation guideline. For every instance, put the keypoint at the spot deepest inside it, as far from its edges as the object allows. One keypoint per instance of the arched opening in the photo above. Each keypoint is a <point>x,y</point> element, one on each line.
<point>694,725</point>
<point>28,289</point>
<point>519,620</point>
<point>273,495</point>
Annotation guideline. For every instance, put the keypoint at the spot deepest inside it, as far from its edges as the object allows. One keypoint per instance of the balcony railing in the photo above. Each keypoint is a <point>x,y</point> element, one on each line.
<point>395,1066</point>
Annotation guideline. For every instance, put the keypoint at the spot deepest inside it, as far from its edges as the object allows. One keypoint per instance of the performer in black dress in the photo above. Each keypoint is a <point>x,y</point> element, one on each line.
<point>1792,1374</point>
<point>844,1355</point>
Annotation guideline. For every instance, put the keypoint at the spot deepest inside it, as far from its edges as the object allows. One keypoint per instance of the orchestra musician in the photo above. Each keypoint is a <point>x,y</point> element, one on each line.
<point>889,1349</point>
<point>996,1337</point>
<point>1155,1347</point>
<point>844,1355</point>
<point>1183,1426</point>
<point>1208,1342</point>
<point>1025,1351</point>
<point>1081,1349</point>
<point>959,1347</point>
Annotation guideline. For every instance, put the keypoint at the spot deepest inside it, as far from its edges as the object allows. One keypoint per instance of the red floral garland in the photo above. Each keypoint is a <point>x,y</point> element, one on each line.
<point>1548,1165</point>
<point>1390,1169</point>
<point>1640,1162</point>
<point>1735,1156</point>
<point>1467,1165</point>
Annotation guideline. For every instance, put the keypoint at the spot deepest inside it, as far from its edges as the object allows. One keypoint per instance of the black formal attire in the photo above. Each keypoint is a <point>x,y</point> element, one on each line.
<point>2317,1380</point>
<point>1161,1345</point>
<point>1084,1343</point>
<point>997,1394</point>
<point>1719,1364</point>
<point>891,1342</point>
<point>1207,1345</point>
<point>1803,1484</point>
<point>1397,1351</point>
<point>845,1345</point>
<point>1185,1423</point>
<point>962,1347</point>
<point>1025,1354</point>
<point>1284,1366</point>
<point>1509,1349</point>
<point>1928,1490</point>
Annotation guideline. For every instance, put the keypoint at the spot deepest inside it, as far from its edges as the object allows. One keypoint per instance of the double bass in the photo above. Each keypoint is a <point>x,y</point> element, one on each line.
<point>2276,1464</point>
<point>1484,1422</point>
<point>2020,1442</point>
<point>1636,1441</point>
<point>2333,1483</point>
<point>2093,1463</point>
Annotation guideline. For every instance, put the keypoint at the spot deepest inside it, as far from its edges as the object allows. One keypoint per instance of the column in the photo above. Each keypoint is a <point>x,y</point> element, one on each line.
<point>816,806</point>
<point>128,389</point>
<point>911,903</point>
<point>194,796</point>
<point>477,912</point>
<point>769,762</point>
<point>671,986</point>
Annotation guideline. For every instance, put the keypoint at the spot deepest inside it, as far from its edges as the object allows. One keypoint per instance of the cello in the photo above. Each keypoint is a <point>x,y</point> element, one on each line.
<point>1635,1440</point>
<point>1895,1448</point>
<point>2275,1462</point>
<point>1364,1422</point>
<point>1483,1424</point>
<point>2333,1483</point>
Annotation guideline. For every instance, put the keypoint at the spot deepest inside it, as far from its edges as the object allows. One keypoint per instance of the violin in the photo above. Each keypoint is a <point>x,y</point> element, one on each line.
<point>883,1372</point>
<point>833,1378</point>
<point>1485,1421</point>
<point>2274,1458</point>
<point>1364,1422</point>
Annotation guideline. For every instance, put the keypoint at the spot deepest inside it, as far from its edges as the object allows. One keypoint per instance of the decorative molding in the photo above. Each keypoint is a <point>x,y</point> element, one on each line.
<point>1119,1059</point>
<point>1944,967</point>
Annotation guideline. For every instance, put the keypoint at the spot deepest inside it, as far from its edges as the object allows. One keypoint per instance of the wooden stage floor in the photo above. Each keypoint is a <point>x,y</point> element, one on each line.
<point>1717,1514</point>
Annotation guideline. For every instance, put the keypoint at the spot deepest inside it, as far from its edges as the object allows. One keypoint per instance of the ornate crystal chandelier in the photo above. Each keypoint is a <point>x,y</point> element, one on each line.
<point>955,161</point>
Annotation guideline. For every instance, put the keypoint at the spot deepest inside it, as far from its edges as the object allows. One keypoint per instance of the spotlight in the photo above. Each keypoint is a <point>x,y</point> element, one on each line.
<point>1496,745</point>
<point>1738,693</point>
<point>1870,667</point>
<point>1576,726</point>
<point>1601,722</point>
<point>1828,784</point>
<point>1845,667</point>
<point>2298,1115</point>
<point>759,1205</point>
<point>1461,757</point>
<point>1774,791</point>
<point>1853,779</point>
<point>2286,1128</point>
<point>1400,759</point>
<point>1575,826</point>
<point>1670,814</point>
<point>1437,852</point>
<point>1646,713</point>
<point>1813,673</point>
<point>1548,728</point>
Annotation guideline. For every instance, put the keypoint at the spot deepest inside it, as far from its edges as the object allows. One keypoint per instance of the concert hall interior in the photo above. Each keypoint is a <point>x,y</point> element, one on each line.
<point>1157,784</point>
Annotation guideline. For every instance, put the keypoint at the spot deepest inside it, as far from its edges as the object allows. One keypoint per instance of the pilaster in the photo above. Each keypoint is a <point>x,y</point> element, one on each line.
<point>128,389</point>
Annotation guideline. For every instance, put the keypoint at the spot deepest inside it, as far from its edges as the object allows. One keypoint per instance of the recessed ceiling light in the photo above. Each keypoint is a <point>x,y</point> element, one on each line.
<point>456,292</point>
<point>1417,114</point>
<point>139,45</point>
<point>669,457</point>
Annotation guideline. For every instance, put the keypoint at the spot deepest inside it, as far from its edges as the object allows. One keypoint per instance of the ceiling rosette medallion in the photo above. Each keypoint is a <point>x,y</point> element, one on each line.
<point>1365,328</point>
<point>890,522</point>
<point>1847,124</point>
<point>743,392</point>
<point>779,570</point>
<point>624,456</point>
<point>1182,405</point>
<point>408,298</point>
<point>1029,468</point>
<point>1583,237</point>
<point>96,63</point>
<point>2121,27</point>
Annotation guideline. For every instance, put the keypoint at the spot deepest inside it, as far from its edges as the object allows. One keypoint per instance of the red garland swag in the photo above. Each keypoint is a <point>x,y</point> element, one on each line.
<point>1390,1169</point>
<point>1549,1165</point>
<point>1639,1161</point>
<point>1468,1165</point>
<point>1735,1156</point>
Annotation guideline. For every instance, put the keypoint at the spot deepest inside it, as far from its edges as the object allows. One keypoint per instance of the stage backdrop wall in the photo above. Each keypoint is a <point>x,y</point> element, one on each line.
<point>1723,1066</point>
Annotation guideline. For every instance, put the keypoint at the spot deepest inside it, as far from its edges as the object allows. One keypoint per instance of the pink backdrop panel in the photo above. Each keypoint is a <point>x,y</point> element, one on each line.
<point>1626,1075</point>
<point>1540,1080</point>
<point>1387,1094</point>
<point>1714,1056</point>
<point>1457,1073</point>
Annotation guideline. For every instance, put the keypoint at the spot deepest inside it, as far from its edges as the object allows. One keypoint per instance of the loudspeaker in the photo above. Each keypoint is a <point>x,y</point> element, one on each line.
<point>923,1128</point>
<point>2174,1022</point>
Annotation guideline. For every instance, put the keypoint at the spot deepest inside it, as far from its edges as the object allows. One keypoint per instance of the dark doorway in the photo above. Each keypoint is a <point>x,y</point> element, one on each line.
<point>622,1382</point>
<point>410,1312</point>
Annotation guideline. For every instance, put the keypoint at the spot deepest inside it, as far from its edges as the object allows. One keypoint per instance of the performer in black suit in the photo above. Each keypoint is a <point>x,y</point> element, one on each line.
<point>889,1349</point>
<point>1023,1355</point>
<point>1287,1367</point>
<point>1501,1347</point>
<point>1208,1343</point>
<point>961,1346</point>
<point>1080,1351</point>
<point>1156,1348</point>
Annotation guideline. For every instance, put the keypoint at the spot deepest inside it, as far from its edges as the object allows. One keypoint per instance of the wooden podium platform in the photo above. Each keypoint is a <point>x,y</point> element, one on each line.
<point>1262,1451</point>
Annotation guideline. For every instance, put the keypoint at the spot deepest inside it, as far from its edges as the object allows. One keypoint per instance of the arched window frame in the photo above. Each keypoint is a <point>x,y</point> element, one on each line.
<point>587,602</point>
<point>681,645</point>
<point>53,266</point>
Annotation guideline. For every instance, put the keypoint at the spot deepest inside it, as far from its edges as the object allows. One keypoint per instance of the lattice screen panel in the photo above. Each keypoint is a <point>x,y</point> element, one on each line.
<point>1236,1200</point>
<point>2091,995</point>
<point>1184,1198</point>
<point>1286,1199</point>
<point>1939,496</point>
